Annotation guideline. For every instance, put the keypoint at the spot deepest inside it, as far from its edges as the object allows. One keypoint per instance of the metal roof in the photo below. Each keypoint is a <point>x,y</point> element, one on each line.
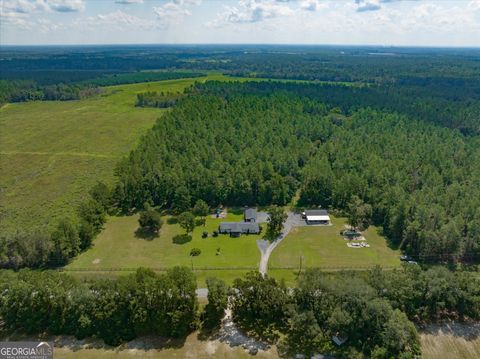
<point>239,227</point>
<point>316,212</point>
<point>250,213</point>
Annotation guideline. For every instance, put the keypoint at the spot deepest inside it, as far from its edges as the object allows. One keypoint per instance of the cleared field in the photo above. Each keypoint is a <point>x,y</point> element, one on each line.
<point>51,152</point>
<point>154,347</point>
<point>323,246</point>
<point>118,247</point>
<point>459,341</point>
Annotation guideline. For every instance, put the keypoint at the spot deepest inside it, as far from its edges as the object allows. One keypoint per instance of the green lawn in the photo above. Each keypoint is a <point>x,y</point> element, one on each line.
<point>52,152</point>
<point>118,247</point>
<point>324,247</point>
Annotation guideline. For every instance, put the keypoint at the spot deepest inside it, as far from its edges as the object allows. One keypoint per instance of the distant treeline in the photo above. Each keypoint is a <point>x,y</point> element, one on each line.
<point>24,90</point>
<point>369,313</point>
<point>258,143</point>
<point>141,76</point>
<point>352,64</point>
<point>68,88</point>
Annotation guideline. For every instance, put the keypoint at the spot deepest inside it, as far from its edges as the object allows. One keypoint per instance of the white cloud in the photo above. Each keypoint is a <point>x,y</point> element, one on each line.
<point>174,11</point>
<point>128,2</point>
<point>251,11</point>
<point>29,6</point>
<point>474,5</point>
<point>118,19</point>
<point>66,5</point>
<point>368,5</point>
<point>313,5</point>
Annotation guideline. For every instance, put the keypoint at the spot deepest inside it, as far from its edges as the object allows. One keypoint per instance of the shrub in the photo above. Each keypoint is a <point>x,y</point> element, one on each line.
<point>182,238</point>
<point>195,252</point>
<point>204,234</point>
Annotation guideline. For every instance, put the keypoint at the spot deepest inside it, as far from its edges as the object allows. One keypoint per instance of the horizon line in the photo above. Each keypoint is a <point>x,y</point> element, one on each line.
<point>245,44</point>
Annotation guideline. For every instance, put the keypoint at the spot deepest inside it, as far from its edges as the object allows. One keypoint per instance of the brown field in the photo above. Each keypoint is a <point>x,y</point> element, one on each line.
<point>451,341</point>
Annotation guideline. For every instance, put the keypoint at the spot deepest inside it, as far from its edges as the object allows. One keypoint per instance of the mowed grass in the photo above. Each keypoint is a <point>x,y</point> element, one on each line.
<point>53,152</point>
<point>323,246</point>
<point>118,247</point>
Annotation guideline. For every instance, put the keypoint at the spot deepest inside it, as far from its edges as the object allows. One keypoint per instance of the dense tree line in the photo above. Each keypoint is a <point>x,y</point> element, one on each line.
<point>63,241</point>
<point>21,90</point>
<point>113,310</point>
<point>372,311</point>
<point>245,144</point>
<point>27,90</point>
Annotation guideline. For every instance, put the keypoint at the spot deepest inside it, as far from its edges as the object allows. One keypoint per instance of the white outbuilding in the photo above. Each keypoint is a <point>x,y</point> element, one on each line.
<point>317,216</point>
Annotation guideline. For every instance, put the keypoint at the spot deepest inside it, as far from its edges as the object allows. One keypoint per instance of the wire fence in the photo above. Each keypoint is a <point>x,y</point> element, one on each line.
<point>247,268</point>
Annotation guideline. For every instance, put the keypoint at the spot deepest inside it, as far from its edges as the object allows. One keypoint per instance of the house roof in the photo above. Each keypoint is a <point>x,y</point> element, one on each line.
<point>239,227</point>
<point>250,213</point>
<point>316,212</point>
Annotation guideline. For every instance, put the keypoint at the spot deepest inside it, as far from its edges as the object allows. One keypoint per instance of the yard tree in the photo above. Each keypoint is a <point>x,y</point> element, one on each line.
<point>150,219</point>
<point>276,219</point>
<point>187,221</point>
<point>217,302</point>
<point>201,209</point>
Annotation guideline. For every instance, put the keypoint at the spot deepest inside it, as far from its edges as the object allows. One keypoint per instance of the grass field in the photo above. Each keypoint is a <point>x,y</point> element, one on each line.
<point>119,247</point>
<point>52,152</point>
<point>323,246</point>
<point>452,340</point>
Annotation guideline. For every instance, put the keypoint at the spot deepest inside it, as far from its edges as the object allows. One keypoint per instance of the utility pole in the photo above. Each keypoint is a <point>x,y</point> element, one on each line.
<point>301,260</point>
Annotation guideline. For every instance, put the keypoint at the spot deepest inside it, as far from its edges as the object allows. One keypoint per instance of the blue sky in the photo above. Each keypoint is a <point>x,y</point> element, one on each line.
<point>350,22</point>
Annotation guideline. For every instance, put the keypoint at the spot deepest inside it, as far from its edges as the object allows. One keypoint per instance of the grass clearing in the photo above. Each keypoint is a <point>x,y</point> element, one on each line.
<point>52,152</point>
<point>451,340</point>
<point>118,247</point>
<point>323,246</point>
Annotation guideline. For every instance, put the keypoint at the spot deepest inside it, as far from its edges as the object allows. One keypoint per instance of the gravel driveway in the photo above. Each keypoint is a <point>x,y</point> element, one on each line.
<point>266,247</point>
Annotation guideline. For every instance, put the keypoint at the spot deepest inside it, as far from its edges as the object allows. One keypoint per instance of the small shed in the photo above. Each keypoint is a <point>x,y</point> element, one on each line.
<point>339,340</point>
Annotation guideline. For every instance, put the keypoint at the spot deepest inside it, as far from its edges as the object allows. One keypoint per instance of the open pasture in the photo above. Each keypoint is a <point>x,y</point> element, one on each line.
<point>52,152</point>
